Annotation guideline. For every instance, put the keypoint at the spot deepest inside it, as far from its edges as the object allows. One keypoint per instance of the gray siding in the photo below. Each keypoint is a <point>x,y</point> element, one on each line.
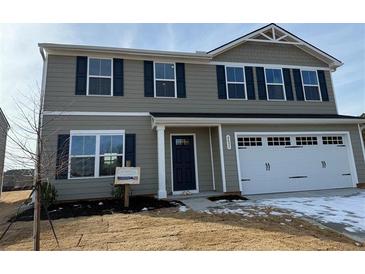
<point>146,154</point>
<point>3,135</point>
<point>267,53</point>
<point>203,156</point>
<point>230,155</point>
<point>201,90</point>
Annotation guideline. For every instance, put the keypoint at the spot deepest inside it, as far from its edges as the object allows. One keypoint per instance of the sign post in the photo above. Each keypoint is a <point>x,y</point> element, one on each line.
<point>125,176</point>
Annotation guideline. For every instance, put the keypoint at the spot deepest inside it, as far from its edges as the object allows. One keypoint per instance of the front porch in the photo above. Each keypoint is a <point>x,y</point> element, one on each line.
<point>189,161</point>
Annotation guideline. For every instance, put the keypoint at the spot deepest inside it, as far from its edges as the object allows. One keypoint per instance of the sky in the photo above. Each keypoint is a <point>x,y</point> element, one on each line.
<point>21,63</point>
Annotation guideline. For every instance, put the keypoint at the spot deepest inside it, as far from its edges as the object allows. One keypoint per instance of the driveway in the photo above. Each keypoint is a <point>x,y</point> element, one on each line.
<point>344,211</point>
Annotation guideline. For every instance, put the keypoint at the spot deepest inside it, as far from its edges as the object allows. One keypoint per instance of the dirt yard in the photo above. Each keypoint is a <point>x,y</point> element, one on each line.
<point>169,229</point>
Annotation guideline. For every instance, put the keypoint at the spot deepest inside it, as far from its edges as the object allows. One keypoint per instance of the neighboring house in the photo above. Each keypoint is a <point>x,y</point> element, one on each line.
<point>18,179</point>
<point>255,115</point>
<point>4,127</point>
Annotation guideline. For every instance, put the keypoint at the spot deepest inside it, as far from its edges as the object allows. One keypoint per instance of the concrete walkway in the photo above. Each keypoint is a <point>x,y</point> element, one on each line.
<point>198,204</point>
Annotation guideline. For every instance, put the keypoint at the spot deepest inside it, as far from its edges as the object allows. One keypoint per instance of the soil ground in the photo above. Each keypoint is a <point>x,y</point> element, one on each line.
<point>169,229</point>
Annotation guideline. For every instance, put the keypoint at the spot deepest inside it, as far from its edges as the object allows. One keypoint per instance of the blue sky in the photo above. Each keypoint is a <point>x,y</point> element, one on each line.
<point>21,63</point>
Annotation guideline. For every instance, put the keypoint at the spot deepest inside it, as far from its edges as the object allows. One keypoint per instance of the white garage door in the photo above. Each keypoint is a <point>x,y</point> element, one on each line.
<point>293,162</point>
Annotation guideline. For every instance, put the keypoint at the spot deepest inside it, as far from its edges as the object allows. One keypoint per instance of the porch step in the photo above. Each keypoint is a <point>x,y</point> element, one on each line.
<point>195,195</point>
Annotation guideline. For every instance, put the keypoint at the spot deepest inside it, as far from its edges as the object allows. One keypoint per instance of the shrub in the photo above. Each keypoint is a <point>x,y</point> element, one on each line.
<point>117,192</point>
<point>48,193</point>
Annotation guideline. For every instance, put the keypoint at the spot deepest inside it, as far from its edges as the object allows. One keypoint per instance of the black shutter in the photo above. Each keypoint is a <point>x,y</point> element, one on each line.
<point>323,85</point>
<point>221,82</point>
<point>118,85</point>
<point>261,84</point>
<point>180,80</point>
<point>63,144</point>
<point>288,86</point>
<point>81,75</point>
<point>250,83</point>
<point>130,150</point>
<point>298,85</point>
<point>148,79</point>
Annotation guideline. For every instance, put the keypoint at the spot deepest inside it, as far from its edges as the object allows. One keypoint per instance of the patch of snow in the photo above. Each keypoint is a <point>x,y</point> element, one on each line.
<point>100,203</point>
<point>221,201</point>
<point>350,229</point>
<point>144,209</point>
<point>282,223</point>
<point>349,211</point>
<point>276,213</point>
<point>288,220</point>
<point>183,209</point>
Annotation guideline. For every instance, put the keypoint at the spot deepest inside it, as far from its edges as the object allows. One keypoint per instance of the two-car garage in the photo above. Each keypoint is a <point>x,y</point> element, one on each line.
<point>294,161</point>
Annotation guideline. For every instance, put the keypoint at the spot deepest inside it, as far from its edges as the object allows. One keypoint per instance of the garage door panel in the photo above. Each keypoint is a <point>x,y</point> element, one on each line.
<point>307,163</point>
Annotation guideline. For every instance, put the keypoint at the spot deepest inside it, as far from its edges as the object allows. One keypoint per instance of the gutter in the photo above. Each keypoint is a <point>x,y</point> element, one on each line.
<point>204,121</point>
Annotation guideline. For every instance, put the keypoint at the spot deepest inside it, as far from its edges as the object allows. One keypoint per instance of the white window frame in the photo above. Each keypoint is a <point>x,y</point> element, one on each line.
<point>160,79</point>
<point>308,85</point>
<point>275,84</point>
<point>244,82</point>
<point>97,134</point>
<point>99,76</point>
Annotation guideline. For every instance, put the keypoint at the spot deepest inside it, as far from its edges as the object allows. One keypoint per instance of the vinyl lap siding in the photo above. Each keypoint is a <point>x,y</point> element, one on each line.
<point>203,156</point>
<point>201,91</point>
<point>146,157</point>
<point>230,155</point>
<point>266,53</point>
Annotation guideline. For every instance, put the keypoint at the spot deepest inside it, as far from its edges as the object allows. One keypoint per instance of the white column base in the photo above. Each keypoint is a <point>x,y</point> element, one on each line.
<point>162,195</point>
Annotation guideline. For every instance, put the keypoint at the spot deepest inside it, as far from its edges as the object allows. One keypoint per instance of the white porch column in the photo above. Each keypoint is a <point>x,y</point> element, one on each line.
<point>161,162</point>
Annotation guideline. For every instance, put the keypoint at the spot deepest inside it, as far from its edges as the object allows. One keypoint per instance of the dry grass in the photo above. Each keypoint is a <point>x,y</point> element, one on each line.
<point>168,229</point>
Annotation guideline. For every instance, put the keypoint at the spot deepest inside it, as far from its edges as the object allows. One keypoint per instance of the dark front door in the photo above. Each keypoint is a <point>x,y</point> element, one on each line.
<point>183,162</point>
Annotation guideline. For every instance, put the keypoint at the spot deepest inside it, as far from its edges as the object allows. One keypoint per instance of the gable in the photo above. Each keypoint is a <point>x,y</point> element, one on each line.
<point>269,53</point>
<point>278,39</point>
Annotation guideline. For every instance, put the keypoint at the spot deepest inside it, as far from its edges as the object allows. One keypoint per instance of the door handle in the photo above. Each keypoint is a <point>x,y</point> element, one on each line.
<point>324,164</point>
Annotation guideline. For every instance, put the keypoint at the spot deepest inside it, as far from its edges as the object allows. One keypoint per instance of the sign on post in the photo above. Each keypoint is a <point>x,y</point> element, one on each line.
<point>127,175</point>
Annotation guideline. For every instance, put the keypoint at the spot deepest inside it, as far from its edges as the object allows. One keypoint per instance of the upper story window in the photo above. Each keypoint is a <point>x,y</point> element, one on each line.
<point>310,85</point>
<point>99,76</point>
<point>235,83</point>
<point>274,84</point>
<point>165,80</point>
<point>96,154</point>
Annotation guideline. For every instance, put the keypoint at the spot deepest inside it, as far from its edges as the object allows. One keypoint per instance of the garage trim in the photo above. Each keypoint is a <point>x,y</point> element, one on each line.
<point>350,154</point>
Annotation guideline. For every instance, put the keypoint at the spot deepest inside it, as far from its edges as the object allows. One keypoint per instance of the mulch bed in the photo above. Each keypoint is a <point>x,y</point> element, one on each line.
<point>226,197</point>
<point>100,207</point>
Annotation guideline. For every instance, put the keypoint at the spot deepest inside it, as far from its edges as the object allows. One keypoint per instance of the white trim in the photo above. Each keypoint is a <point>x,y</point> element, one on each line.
<point>95,113</point>
<point>298,42</point>
<point>155,79</point>
<point>221,150</point>
<point>303,85</point>
<point>275,84</point>
<point>349,150</point>
<point>266,65</point>
<point>196,190</point>
<point>237,161</point>
<point>96,155</point>
<point>97,76</point>
<point>161,162</point>
<point>228,82</point>
<point>360,128</point>
<point>201,121</point>
<point>211,157</point>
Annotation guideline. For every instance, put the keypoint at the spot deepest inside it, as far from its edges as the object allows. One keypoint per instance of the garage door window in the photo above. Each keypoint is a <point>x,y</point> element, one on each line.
<point>278,141</point>
<point>306,140</point>
<point>332,140</point>
<point>249,141</point>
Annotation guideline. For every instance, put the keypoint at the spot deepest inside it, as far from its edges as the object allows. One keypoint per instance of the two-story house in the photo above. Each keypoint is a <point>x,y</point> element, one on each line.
<point>255,115</point>
<point>4,127</point>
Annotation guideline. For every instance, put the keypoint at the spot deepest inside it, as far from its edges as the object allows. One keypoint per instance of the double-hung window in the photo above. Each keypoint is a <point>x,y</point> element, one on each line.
<point>100,76</point>
<point>165,80</point>
<point>274,84</point>
<point>96,154</point>
<point>236,88</point>
<point>311,85</point>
